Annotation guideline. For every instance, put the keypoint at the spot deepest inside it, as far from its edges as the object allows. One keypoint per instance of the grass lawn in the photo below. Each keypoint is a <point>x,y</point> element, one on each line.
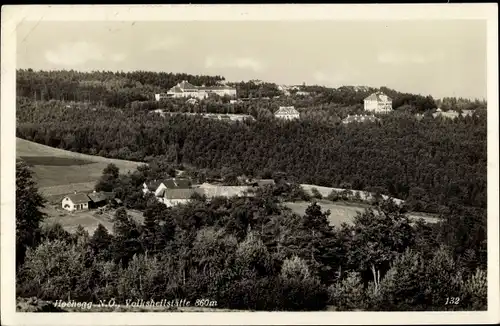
<point>59,172</point>
<point>341,212</point>
<point>86,218</point>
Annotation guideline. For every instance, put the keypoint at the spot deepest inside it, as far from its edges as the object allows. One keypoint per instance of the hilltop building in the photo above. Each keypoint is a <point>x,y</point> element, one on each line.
<point>287,113</point>
<point>378,103</point>
<point>186,89</point>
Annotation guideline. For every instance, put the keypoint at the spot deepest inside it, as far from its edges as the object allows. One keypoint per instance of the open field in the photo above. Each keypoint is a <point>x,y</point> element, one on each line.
<point>345,212</point>
<point>59,172</point>
<point>86,218</point>
<point>325,191</point>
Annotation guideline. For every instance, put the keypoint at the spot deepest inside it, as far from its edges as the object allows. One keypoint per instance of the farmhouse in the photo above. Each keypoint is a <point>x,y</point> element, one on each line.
<point>75,202</point>
<point>378,103</point>
<point>287,113</point>
<point>186,89</point>
<point>157,186</point>
<point>174,197</point>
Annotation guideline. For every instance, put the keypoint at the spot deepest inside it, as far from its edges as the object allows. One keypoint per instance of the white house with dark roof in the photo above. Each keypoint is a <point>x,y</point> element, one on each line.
<point>186,89</point>
<point>174,197</point>
<point>378,103</point>
<point>158,187</point>
<point>287,113</point>
<point>75,202</point>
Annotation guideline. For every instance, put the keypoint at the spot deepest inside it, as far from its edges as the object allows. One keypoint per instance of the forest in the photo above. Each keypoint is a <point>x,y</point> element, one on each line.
<point>120,89</point>
<point>430,162</point>
<point>253,254</point>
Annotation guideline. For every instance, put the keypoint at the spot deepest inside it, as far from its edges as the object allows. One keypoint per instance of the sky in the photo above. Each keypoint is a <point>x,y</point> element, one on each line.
<point>438,58</point>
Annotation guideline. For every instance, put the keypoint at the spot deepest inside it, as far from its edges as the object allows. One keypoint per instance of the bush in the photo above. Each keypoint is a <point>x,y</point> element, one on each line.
<point>474,291</point>
<point>316,194</point>
<point>348,294</point>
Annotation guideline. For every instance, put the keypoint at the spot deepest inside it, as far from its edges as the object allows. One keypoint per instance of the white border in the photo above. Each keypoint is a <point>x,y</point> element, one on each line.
<point>12,15</point>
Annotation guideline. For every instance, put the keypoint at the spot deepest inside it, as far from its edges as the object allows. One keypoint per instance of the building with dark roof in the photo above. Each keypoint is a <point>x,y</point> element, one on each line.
<point>174,197</point>
<point>186,89</point>
<point>158,186</point>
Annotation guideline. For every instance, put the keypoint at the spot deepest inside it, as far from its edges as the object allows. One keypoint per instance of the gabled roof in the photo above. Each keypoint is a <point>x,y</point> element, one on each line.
<point>101,196</point>
<point>379,97</point>
<point>178,193</point>
<point>286,110</point>
<point>172,183</point>
<point>78,198</point>
<point>153,185</point>
<point>175,89</point>
<point>186,85</point>
<point>177,183</point>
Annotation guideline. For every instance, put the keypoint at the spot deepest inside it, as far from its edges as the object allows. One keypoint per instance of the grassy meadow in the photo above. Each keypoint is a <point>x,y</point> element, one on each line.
<point>59,172</point>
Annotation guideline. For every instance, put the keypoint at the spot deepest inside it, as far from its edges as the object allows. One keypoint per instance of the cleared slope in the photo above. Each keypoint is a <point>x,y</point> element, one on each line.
<point>59,172</point>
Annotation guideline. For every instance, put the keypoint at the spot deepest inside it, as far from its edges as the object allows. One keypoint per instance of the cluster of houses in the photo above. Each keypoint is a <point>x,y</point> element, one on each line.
<point>175,191</point>
<point>171,192</point>
<point>85,201</point>
<point>185,89</point>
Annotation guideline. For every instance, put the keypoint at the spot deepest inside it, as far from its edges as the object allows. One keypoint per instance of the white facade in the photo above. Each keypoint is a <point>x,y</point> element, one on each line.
<point>287,113</point>
<point>378,103</point>
<point>69,205</point>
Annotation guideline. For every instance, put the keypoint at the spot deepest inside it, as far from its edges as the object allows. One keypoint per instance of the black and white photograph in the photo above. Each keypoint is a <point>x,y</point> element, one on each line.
<point>240,160</point>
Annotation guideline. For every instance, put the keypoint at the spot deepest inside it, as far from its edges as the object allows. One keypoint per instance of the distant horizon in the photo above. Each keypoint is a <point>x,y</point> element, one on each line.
<point>255,79</point>
<point>442,58</point>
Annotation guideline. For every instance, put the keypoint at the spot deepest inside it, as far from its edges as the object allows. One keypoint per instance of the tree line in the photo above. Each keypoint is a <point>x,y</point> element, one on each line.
<point>252,253</point>
<point>430,163</point>
<point>119,89</point>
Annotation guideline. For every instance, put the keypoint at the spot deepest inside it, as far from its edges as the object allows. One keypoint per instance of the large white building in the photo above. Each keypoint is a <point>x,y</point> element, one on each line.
<point>378,103</point>
<point>185,89</point>
<point>287,113</point>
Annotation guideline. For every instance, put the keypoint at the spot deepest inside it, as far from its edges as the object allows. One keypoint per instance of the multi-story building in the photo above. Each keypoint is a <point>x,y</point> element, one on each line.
<point>378,103</point>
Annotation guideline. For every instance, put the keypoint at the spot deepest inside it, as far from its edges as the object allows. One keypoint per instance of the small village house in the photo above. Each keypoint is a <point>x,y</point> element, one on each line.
<point>287,113</point>
<point>158,187</point>
<point>76,202</point>
<point>378,103</point>
<point>174,197</point>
